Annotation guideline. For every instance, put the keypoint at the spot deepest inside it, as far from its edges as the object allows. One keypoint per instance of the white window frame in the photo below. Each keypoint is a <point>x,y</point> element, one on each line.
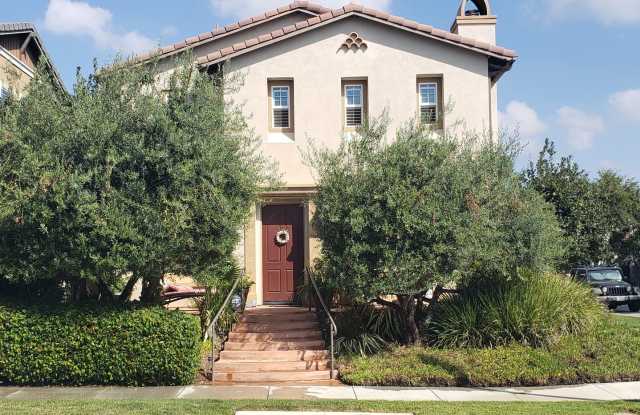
<point>348,106</point>
<point>2,88</point>
<point>280,107</point>
<point>435,104</point>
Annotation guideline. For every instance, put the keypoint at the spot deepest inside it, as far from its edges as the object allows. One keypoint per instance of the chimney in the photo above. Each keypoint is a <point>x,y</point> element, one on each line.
<point>475,20</point>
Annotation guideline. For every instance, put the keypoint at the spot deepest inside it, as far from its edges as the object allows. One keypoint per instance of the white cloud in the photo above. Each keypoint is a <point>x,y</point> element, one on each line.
<point>627,103</point>
<point>520,117</point>
<point>581,128</point>
<point>247,8</point>
<point>607,12</point>
<point>78,18</point>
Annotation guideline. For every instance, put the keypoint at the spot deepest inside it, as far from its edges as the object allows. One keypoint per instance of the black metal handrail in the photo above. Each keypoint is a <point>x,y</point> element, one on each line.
<point>333,329</point>
<point>211,329</point>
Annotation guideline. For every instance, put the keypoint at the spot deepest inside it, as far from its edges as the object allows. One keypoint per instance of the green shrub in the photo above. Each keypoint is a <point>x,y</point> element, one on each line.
<point>536,310</point>
<point>84,345</point>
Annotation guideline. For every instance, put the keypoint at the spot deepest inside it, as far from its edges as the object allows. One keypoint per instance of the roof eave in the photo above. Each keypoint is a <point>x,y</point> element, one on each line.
<point>344,16</point>
<point>43,52</point>
<point>207,37</point>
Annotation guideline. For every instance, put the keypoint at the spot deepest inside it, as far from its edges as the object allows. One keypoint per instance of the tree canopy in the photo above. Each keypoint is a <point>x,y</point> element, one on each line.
<point>130,177</point>
<point>401,218</point>
<point>600,217</point>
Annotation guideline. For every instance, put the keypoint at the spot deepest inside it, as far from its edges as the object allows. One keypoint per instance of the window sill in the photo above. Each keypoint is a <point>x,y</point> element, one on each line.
<point>280,138</point>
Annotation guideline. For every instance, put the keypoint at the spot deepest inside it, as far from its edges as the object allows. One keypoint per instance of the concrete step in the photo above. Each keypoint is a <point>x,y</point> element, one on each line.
<point>274,346</point>
<point>276,336</point>
<point>263,377</point>
<point>277,317</point>
<point>274,356</point>
<point>275,327</point>
<point>249,366</point>
<point>277,310</point>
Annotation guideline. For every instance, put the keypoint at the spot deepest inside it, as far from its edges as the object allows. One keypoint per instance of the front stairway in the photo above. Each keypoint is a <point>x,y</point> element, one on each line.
<point>274,344</point>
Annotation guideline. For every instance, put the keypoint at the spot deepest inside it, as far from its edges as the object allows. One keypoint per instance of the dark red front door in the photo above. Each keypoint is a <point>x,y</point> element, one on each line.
<point>282,260</point>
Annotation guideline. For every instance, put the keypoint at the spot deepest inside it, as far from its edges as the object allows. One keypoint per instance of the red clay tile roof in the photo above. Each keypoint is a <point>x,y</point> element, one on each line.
<point>206,37</point>
<point>354,9</point>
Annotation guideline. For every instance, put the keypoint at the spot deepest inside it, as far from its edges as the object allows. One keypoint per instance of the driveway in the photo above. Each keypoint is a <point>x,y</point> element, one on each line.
<point>624,311</point>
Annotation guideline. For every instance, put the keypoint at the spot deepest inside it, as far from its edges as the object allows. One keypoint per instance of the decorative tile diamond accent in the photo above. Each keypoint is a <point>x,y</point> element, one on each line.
<point>354,42</point>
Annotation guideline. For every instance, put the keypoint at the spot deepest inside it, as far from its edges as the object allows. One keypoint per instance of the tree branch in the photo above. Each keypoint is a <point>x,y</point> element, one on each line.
<point>386,303</point>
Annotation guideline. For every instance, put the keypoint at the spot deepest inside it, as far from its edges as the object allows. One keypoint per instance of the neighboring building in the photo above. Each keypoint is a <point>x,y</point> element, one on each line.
<point>315,73</point>
<point>21,48</point>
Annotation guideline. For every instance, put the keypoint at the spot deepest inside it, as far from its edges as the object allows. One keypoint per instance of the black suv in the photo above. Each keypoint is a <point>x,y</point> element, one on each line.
<point>609,286</point>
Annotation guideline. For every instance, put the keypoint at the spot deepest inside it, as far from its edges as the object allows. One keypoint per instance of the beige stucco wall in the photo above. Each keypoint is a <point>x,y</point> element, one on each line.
<point>391,64</point>
<point>167,65</point>
<point>11,77</point>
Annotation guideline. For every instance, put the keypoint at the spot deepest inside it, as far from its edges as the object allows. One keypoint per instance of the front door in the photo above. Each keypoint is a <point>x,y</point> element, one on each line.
<point>282,252</point>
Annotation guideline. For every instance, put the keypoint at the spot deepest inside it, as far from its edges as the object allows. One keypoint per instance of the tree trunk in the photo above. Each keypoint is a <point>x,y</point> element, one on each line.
<point>125,295</point>
<point>151,289</point>
<point>408,309</point>
<point>105,294</point>
<point>79,291</point>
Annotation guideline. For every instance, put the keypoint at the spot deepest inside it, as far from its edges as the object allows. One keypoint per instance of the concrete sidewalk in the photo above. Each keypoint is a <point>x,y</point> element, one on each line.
<point>591,392</point>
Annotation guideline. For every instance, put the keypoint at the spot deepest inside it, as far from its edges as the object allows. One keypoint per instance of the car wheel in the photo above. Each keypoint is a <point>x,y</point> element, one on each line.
<point>634,306</point>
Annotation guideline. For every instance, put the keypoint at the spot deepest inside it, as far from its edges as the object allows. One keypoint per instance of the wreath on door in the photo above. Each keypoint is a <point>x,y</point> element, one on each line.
<point>282,237</point>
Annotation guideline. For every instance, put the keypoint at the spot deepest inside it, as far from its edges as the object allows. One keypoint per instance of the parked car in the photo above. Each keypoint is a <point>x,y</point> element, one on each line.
<point>609,286</point>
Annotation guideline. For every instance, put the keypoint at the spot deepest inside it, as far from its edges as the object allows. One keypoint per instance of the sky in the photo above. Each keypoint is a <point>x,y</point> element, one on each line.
<point>577,80</point>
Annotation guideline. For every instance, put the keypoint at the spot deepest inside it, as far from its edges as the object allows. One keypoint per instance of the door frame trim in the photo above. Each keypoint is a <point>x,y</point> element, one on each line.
<point>304,203</point>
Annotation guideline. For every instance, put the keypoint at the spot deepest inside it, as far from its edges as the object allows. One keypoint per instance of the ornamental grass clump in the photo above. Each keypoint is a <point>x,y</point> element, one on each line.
<point>360,331</point>
<point>535,310</point>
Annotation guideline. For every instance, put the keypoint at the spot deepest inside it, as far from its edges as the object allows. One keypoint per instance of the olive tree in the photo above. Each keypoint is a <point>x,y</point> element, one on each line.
<point>126,179</point>
<point>398,219</point>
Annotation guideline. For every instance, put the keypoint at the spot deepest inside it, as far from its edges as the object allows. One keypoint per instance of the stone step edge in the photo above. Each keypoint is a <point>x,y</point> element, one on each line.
<point>293,374</point>
<point>277,336</point>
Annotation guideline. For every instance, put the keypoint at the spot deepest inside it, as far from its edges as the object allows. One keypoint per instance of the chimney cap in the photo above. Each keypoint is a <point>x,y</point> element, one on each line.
<point>482,8</point>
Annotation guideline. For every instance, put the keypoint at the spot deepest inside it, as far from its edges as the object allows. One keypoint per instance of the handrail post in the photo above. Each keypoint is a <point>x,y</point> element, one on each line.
<point>333,367</point>
<point>333,329</point>
<point>213,342</point>
<point>212,326</point>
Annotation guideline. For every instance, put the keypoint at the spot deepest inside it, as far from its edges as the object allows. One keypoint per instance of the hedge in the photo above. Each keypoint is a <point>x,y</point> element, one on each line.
<point>89,345</point>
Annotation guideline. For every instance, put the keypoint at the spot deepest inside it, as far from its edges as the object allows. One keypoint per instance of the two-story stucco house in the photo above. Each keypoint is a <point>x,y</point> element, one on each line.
<point>315,73</point>
<point>20,51</point>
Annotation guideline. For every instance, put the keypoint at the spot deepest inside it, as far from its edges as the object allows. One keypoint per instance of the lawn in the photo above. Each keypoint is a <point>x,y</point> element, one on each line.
<point>612,354</point>
<point>229,407</point>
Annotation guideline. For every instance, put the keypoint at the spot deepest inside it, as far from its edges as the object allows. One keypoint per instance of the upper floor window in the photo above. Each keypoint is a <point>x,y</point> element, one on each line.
<point>281,101</point>
<point>281,106</point>
<point>430,101</point>
<point>5,93</point>
<point>355,103</point>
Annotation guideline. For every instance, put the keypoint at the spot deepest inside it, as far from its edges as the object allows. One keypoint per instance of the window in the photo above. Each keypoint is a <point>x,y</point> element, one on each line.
<point>281,106</point>
<point>355,103</point>
<point>280,96</point>
<point>430,101</point>
<point>5,93</point>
